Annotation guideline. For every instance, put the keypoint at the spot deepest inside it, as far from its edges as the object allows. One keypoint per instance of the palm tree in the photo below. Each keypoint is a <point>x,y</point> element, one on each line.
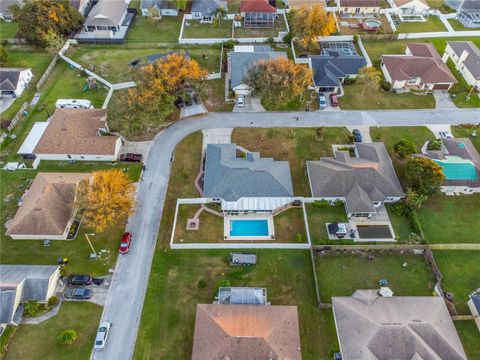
<point>219,14</point>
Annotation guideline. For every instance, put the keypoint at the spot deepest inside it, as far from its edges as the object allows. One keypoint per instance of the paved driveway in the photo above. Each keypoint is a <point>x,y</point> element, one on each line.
<point>443,100</point>
<point>364,130</point>
<point>252,104</point>
<point>129,283</point>
<point>5,103</point>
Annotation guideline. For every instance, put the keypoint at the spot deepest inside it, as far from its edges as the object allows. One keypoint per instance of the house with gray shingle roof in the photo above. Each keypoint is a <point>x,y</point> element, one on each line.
<point>13,81</point>
<point>466,57</point>
<point>242,58</point>
<point>364,182</point>
<point>162,7</point>
<point>232,178</point>
<point>203,9</point>
<point>21,283</point>
<point>468,12</point>
<point>372,327</point>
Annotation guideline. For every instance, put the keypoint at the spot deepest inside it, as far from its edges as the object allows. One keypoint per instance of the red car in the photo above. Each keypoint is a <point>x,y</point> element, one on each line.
<point>333,100</point>
<point>130,157</point>
<point>125,244</point>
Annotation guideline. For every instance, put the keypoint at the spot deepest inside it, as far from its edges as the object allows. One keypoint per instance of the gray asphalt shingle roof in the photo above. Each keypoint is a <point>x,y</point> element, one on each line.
<point>372,327</point>
<point>472,62</point>
<point>231,178</point>
<point>207,7</point>
<point>7,305</point>
<point>160,4</point>
<point>242,61</point>
<point>328,69</point>
<point>9,78</point>
<point>361,180</point>
<point>36,279</point>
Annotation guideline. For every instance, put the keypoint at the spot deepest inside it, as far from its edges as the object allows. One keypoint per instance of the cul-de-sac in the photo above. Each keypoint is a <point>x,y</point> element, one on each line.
<point>240,179</point>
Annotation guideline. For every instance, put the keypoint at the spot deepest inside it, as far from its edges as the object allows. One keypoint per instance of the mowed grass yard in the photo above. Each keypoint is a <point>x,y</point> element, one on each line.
<point>112,62</point>
<point>173,295</point>
<point>77,251</point>
<point>8,30</point>
<point>381,99</point>
<point>340,274</point>
<point>39,342</point>
<point>24,56</point>
<point>242,32</point>
<point>461,274</point>
<point>460,92</point>
<point>466,131</point>
<point>292,145</point>
<point>451,219</point>
<point>145,30</point>
<point>197,30</point>
<point>433,24</point>
<point>318,217</point>
<point>470,337</point>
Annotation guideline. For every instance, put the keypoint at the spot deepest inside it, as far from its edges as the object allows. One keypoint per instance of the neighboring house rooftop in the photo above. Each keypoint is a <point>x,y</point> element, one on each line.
<point>371,327</point>
<point>361,180</point>
<point>246,56</point>
<point>361,3</point>
<point>425,62</point>
<point>9,78</point>
<point>238,332</point>
<point>230,178</point>
<point>327,69</point>
<point>464,148</point>
<point>258,6</point>
<point>159,4</point>
<point>76,131</point>
<point>472,62</point>
<point>464,5</point>
<point>107,12</point>
<point>5,5</point>
<point>207,7</point>
<point>47,206</point>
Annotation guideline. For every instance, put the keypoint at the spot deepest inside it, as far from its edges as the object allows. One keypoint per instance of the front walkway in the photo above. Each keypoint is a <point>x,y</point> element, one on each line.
<point>436,128</point>
<point>216,136</point>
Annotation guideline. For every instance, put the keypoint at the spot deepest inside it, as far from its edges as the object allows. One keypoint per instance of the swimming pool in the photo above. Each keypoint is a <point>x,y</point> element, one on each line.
<point>455,168</point>
<point>372,23</point>
<point>249,227</point>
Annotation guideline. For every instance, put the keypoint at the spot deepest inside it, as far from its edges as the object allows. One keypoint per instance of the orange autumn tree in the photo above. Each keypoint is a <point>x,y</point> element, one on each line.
<point>105,198</point>
<point>310,21</point>
<point>159,84</point>
<point>280,80</point>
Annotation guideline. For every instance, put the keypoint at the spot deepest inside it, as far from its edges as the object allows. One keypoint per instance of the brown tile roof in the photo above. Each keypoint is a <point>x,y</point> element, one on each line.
<point>241,332</point>
<point>425,62</point>
<point>75,131</point>
<point>261,6</point>
<point>48,205</point>
<point>361,3</point>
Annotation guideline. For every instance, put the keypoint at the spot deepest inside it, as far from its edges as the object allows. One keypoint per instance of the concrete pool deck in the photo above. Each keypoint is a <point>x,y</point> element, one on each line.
<point>257,216</point>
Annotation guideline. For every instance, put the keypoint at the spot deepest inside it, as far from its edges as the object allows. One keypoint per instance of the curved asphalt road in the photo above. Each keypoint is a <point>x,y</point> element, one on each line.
<point>129,283</point>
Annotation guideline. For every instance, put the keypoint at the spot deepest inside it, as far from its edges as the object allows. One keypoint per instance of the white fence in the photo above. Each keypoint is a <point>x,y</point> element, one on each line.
<point>438,34</point>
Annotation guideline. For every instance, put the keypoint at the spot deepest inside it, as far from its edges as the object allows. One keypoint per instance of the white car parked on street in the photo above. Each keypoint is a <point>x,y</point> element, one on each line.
<point>102,335</point>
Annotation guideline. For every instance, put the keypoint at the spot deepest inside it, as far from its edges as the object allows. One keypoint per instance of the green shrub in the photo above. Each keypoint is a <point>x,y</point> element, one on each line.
<point>67,337</point>
<point>320,203</point>
<point>223,283</point>
<point>416,225</point>
<point>404,148</point>
<point>288,38</point>
<point>299,238</point>
<point>32,308</point>
<point>435,145</point>
<point>338,203</point>
<point>270,41</point>
<point>230,44</point>
<point>63,270</point>
<point>52,301</point>
<point>385,85</point>
<point>201,284</point>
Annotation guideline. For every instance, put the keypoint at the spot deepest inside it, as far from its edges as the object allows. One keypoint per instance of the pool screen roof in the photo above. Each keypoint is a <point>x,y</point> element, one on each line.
<point>242,296</point>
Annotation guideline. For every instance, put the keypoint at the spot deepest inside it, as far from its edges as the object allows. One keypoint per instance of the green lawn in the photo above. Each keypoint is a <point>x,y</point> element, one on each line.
<point>461,90</point>
<point>293,145</point>
<point>390,135</point>
<point>280,25</point>
<point>145,30</point>
<point>289,225</point>
<point>309,98</point>
<point>342,274</point>
<point>198,30</point>
<point>376,48</point>
<point>8,29</point>
<point>380,99</point>
<point>112,62</point>
<point>14,185</point>
<point>401,225</point>
<point>233,6</point>
<point>209,231</point>
<point>468,333</point>
<point>24,56</point>
<point>215,96</point>
<point>185,168</point>
<point>433,24</point>
<point>64,83</point>
<point>319,216</point>
<point>40,341</point>
<point>466,131</point>
<point>457,25</point>
<point>451,219</point>
<point>172,295</point>
<point>460,275</point>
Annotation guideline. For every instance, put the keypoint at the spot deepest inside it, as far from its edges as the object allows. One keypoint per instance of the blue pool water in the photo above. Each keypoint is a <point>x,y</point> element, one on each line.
<point>458,170</point>
<point>248,227</point>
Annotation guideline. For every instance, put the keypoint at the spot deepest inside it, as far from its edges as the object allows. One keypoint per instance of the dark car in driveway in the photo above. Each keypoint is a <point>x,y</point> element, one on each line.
<point>81,280</point>
<point>78,293</point>
<point>130,157</point>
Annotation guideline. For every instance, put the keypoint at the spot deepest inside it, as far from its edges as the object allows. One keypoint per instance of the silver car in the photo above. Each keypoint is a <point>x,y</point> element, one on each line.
<point>102,335</point>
